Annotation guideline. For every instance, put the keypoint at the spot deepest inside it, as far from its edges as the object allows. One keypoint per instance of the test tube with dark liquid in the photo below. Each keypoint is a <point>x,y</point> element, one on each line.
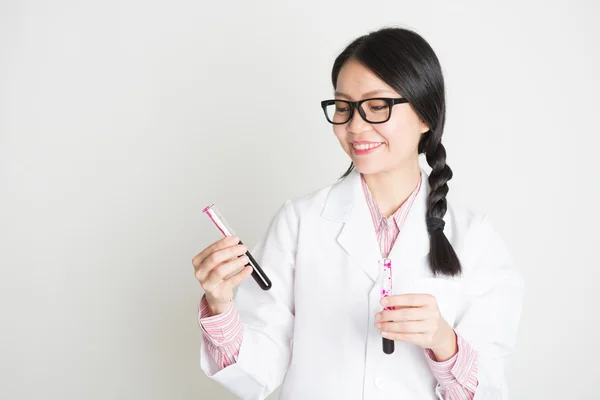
<point>385,266</point>
<point>257,273</point>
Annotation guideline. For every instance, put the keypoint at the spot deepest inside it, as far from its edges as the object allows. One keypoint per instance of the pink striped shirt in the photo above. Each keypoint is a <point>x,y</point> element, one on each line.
<point>223,333</point>
<point>388,228</point>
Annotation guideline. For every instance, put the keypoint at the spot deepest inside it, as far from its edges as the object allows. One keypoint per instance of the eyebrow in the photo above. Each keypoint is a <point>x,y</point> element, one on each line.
<point>365,95</point>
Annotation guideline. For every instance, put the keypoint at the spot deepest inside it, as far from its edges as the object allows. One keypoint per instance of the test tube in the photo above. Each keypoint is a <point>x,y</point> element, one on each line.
<point>385,266</point>
<point>221,224</point>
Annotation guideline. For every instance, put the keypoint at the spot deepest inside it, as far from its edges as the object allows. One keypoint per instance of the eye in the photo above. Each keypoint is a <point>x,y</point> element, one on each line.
<point>342,107</point>
<point>377,105</point>
<point>378,108</point>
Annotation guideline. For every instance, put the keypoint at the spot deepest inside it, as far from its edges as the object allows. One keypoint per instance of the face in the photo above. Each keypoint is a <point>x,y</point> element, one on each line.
<point>376,148</point>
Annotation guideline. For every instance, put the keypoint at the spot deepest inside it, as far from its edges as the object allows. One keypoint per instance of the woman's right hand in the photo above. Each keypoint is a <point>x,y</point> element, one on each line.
<point>214,267</point>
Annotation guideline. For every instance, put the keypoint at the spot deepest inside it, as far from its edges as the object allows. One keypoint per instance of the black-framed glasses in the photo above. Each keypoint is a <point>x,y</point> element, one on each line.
<point>374,111</point>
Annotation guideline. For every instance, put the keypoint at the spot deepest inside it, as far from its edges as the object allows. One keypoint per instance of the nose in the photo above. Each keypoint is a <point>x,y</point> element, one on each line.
<point>357,124</point>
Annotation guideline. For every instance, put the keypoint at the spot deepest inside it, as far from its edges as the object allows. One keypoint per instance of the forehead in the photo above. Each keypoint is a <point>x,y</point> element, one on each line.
<point>356,82</point>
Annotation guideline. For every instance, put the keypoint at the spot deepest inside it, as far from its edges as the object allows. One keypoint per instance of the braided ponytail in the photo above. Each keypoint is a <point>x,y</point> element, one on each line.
<point>442,257</point>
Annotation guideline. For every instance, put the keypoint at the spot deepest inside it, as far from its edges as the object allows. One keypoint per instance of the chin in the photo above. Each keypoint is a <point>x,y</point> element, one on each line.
<point>367,168</point>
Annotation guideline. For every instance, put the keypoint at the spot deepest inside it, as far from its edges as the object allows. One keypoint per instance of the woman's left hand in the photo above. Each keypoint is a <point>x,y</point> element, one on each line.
<point>416,319</point>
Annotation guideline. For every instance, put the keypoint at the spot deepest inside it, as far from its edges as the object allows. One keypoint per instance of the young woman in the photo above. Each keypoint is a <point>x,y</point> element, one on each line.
<point>455,305</point>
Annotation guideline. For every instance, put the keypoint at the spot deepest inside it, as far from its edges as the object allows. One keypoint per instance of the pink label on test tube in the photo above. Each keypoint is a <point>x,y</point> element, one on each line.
<point>215,216</point>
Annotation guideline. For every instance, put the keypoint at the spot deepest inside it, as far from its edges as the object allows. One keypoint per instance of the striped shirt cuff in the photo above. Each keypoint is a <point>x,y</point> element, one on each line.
<point>223,329</point>
<point>460,370</point>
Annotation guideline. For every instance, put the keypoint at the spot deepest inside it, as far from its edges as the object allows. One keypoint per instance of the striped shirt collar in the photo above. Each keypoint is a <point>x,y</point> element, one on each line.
<point>380,221</point>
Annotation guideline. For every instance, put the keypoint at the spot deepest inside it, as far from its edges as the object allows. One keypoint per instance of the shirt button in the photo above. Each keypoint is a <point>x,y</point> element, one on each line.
<point>379,382</point>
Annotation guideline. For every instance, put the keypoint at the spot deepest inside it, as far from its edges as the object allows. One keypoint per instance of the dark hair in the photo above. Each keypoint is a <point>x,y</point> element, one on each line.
<point>407,63</point>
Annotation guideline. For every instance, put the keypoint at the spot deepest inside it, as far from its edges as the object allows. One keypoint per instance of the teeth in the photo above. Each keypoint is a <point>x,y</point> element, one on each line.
<point>365,146</point>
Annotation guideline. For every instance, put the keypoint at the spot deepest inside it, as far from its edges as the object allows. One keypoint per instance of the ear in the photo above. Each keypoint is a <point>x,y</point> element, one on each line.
<point>423,127</point>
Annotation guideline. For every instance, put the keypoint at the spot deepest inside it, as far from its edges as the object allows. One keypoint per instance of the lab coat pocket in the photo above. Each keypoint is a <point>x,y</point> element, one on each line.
<point>445,291</point>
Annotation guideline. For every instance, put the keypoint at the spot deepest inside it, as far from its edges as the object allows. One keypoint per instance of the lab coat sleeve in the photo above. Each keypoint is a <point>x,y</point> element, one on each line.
<point>267,316</point>
<point>490,315</point>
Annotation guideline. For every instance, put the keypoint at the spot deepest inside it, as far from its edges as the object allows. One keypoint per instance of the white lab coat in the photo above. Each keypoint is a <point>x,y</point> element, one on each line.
<point>314,332</point>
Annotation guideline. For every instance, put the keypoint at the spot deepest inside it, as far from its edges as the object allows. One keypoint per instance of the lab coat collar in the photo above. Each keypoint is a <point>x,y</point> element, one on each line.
<point>346,203</point>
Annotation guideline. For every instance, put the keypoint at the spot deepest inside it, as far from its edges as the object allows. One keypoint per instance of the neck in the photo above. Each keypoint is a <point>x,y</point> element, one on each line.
<point>390,189</point>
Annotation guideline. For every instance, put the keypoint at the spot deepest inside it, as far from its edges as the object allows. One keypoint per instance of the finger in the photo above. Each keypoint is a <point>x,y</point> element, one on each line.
<point>219,257</point>
<point>220,244</point>
<point>408,300</point>
<point>240,276</point>
<point>405,327</point>
<point>224,271</point>
<point>404,314</point>
<point>415,338</point>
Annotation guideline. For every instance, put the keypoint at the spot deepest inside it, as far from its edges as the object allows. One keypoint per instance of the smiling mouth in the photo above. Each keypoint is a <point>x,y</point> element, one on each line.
<point>366,146</point>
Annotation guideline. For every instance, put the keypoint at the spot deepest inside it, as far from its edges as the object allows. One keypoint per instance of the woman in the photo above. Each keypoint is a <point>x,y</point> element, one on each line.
<point>318,332</point>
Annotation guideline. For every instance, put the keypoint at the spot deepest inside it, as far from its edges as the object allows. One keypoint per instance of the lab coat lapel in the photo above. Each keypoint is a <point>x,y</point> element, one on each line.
<point>412,245</point>
<point>346,203</point>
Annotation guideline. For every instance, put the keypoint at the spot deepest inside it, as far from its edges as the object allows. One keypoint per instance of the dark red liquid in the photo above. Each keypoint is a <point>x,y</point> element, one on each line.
<point>257,273</point>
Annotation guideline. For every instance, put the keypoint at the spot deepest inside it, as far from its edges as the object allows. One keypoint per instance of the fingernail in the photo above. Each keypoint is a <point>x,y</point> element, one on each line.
<point>378,325</point>
<point>377,317</point>
<point>384,301</point>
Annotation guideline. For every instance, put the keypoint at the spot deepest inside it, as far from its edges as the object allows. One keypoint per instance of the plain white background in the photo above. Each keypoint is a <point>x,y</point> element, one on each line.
<point>120,120</point>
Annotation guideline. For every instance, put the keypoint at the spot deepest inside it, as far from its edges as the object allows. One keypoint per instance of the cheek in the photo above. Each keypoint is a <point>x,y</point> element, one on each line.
<point>402,135</point>
<point>340,133</point>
